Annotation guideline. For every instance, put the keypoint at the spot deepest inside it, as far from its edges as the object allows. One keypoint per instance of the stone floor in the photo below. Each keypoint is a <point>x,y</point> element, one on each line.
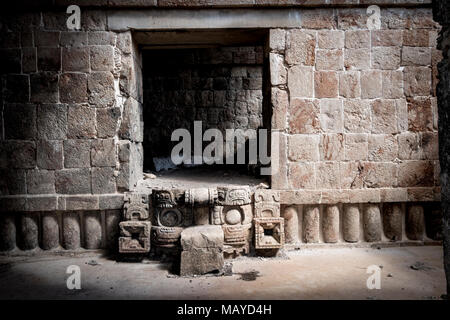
<point>330,273</point>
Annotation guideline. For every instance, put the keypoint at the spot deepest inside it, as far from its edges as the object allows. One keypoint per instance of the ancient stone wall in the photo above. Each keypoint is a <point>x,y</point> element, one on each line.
<point>356,108</point>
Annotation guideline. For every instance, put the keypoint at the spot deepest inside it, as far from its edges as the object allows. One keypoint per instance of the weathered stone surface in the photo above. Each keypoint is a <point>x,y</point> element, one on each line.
<point>392,83</point>
<point>52,121</point>
<point>329,60</point>
<point>372,223</point>
<point>73,181</point>
<point>20,121</point>
<point>40,181</point>
<point>357,116</point>
<point>291,231</point>
<point>17,88</point>
<point>326,84</point>
<point>304,116</point>
<point>19,154</point>
<point>371,84</point>
<point>73,88</point>
<point>132,125</point>
<point>331,119</point>
<point>430,145</point>
<point>327,175</point>
<point>277,39</point>
<point>330,39</point>
<point>102,58</point>
<point>71,231</point>
<point>103,180</point>
<point>330,227</point>
<point>8,232</point>
<point>77,153</point>
<point>387,38</point>
<point>386,58</point>
<point>417,81</point>
<point>349,85</point>
<point>311,219</point>
<point>73,39</point>
<point>103,153</point>
<point>357,59</point>
<point>300,82</point>
<point>46,38</point>
<point>50,231</point>
<point>392,221</point>
<point>382,147</point>
<point>202,250</point>
<point>357,39</point>
<point>29,231</point>
<point>331,147</point>
<point>409,146</point>
<point>278,72</point>
<point>319,19</point>
<point>75,59</point>
<point>415,223</point>
<point>303,147</point>
<point>420,114</point>
<point>101,89</point>
<point>300,47</point>
<point>12,181</point>
<point>81,122</point>
<point>416,56</point>
<point>280,104</point>
<point>383,120</point>
<point>92,230</point>
<point>416,38</point>
<point>301,176</point>
<point>350,223</point>
<point>49,154</point>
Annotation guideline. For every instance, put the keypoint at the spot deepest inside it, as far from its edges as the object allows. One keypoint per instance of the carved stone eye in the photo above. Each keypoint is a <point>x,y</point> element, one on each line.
<point>233,216</point>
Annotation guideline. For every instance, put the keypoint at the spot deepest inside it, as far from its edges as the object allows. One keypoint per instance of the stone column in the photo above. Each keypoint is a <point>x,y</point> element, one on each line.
<point>331,224</point>
<point>71,231</point>
<point>392,221</point>
<point>92,230</point>
<point>311,219</point>
<point>29,231</point>
<point>112,218</point>
<point>291,231</point>
<point>351,223</point>
<point>7,232</point>
<point>50,231</point>
<point>372,223</point>
<point>414,223</point>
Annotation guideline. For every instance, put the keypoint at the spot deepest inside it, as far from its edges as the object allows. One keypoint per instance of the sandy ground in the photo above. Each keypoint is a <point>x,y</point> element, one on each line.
<point>305,274</point>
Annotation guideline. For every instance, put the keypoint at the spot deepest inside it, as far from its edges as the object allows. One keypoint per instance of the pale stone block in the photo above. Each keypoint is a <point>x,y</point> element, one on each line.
<point>351,223</point>
<point>331,147</point>
<point>356,146</point>
<point>357,59</point>
<point>304,116</point>
<point>331,115</point>
<point>331,224</point>
<point>329,60</point>
<point>330,39</point>
<point>357,116</point>
<point>383,116</point>
<point>371,84</point>
<point>302,175</point>
<point>326,84</point>
<point>303,147</point>
<point>311,220</point>
<point>372,223</point>
<point>300,47</point>
<point>300,82</point>
<point>386,58</point>
<point>357,39</point>
<point>382,147</point>
<point>349,85</point>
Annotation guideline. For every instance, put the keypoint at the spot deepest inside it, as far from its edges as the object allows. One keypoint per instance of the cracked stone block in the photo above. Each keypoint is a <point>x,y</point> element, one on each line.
<point>202,250</point>
<point>52,121</point>
<point>49,154</point>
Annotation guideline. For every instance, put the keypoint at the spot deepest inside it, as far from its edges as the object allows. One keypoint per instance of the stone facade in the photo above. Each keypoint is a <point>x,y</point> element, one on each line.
<point>355,109</point>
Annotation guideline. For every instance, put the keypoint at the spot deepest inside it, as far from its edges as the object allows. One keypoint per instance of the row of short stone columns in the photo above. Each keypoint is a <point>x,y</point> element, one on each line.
<point>354,223</point>
<point>54,230</point>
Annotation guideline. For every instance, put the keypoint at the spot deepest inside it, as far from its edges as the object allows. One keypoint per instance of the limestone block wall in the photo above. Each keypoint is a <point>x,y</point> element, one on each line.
<point>71,113</point>
<point>356,108</point>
